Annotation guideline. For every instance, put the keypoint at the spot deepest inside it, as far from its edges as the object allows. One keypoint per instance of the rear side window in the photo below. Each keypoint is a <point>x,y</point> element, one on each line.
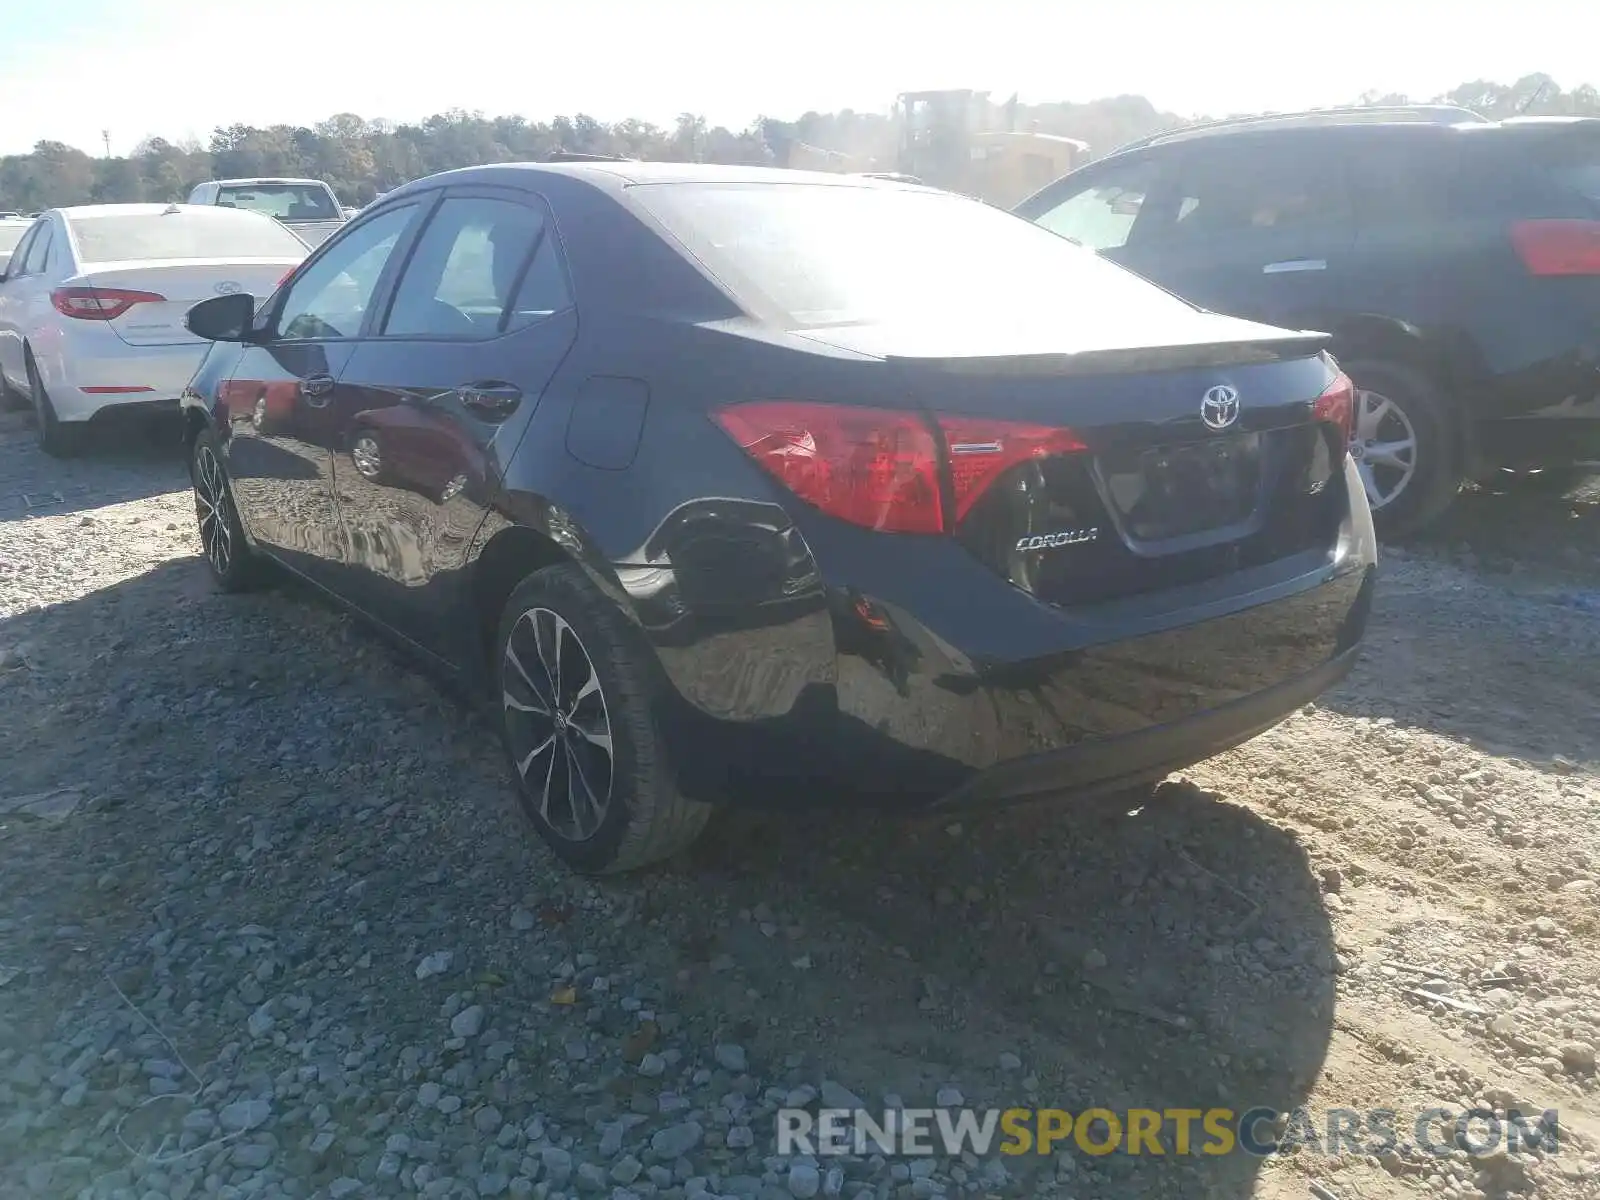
<point>1411,180</point>
<point>39,251</point>
<point>1574,163</point>
<point>471,275</point>
<point>180,235</point>
<point>1251,189</point>
<point>19,256</point>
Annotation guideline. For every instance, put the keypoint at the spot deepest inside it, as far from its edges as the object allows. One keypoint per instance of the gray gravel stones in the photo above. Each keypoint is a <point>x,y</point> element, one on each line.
<point>468,1023</point>
<point>675,1141</point>
<point>295,858</point>
<point>804,1180</point>
<point>243,1115</point>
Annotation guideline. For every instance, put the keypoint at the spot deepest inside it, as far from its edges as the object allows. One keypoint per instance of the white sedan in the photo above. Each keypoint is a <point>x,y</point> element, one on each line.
<point>93,300</point>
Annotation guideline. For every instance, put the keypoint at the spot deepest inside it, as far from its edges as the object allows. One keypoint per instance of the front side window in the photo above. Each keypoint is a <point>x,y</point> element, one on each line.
<point>467,265</point>
<point>1101,216</point>
<point>331,296</point>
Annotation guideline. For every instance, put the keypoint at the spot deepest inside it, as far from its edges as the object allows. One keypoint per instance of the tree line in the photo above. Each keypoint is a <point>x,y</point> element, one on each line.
<point>361,158</point>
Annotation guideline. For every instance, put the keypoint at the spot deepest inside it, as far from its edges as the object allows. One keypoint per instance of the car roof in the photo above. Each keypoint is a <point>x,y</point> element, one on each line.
<point>1248,132</point>
<point>265,179</point>
<point>615,176</point>
<point>77,211</point>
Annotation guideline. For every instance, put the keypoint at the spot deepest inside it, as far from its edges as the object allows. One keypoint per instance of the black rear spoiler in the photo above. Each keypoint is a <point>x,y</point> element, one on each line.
<point>1140,358</point>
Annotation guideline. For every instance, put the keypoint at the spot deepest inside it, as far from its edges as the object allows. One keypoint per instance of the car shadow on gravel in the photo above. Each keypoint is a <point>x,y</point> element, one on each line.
<point>119,463</point>
<point>1513,614</point>
<point>1176,957</point>
<point>1500,531</point>
<point>262,768</point>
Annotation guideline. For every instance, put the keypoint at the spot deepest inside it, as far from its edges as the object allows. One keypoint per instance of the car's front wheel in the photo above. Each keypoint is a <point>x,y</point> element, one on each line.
<point>1403,445</point>
<point>234,566</point>
<point>578,720</point>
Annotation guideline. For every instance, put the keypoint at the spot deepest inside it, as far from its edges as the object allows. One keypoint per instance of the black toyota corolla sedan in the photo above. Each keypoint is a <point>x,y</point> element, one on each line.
<point>710,478</point>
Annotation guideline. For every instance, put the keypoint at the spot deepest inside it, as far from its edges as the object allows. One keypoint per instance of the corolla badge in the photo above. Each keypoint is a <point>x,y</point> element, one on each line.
<point>1049,541</point>
<point>226,288</point>
<point>1220,406</point>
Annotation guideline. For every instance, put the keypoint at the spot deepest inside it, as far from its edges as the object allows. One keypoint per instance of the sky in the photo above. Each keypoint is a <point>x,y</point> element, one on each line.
<point>179,68</point>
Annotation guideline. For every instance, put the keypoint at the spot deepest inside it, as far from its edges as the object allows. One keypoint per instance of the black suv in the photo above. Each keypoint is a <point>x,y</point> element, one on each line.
<point>1455,260</point>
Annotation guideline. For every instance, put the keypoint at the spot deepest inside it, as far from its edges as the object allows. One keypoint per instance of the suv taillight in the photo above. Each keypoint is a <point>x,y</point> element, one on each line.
<point>1565,247</point>
<point>1337,405</point>
<point>99,304</point>
<point>880,468</point>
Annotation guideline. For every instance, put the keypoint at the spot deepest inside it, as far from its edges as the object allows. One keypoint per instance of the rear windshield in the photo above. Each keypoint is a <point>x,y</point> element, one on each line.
<point>11,234</point>
<point>286,201</point>
<point>813,255</point>
<point>191,234</point>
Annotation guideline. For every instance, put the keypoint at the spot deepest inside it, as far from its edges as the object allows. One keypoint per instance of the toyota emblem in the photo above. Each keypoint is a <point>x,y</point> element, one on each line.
<point>1220,407</point>
<point>226,288</point>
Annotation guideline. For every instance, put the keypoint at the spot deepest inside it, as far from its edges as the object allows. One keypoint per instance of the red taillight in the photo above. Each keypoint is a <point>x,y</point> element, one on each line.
<point>1337,405</point>
<point>982,450</point>
<point>99,304</point>
<point>868,466</point>
<point>1558,247</point>
<point>880,468</point>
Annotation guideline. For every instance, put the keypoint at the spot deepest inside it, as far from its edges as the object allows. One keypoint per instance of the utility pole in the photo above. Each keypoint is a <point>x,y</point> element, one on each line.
<point>105,136</point>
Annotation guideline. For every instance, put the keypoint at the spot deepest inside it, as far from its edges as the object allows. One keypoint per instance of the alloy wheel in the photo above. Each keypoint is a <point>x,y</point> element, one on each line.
<point>558,724</point>
<point>366,456</point>
<point>214,508</point>
<point>1384,448</point>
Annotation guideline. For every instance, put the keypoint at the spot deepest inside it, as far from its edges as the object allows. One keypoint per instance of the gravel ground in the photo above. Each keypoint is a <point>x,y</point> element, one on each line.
<point>270,925</point>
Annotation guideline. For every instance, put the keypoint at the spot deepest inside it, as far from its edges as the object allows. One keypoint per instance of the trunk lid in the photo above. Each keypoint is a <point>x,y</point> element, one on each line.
<point>1203,454</point>
<point>181,283</point>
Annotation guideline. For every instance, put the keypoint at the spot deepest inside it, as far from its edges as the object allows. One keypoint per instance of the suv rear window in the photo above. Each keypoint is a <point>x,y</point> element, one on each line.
<point>192,234</point>
<point>1575,163</point>
<point>285,201</point>
<point>823,254</point>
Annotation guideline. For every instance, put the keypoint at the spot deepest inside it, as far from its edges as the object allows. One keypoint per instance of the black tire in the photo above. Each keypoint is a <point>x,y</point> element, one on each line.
<point>1436,469</point>
<point>56,438</point>
<point>11,400</point>
<point>642,817</point>
<point>233,565</point>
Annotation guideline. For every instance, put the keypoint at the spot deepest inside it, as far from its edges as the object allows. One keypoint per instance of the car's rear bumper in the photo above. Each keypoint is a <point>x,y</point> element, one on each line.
<point>1111,764</point>
<point>108,376</point>
<point>921,690</point>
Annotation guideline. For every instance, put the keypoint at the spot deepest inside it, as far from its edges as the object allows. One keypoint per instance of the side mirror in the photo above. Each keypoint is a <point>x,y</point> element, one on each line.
<point>222,318</point>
